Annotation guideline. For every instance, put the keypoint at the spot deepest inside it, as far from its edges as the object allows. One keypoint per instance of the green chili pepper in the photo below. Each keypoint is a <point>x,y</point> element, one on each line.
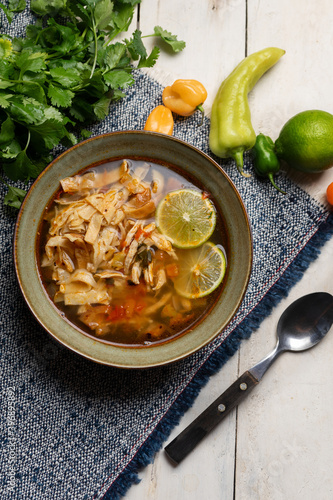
<point>231,131</point>
<point>266,163</point>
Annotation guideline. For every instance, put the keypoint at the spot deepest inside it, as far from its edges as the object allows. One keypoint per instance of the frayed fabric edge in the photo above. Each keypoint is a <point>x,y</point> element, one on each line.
<point>218,358</point>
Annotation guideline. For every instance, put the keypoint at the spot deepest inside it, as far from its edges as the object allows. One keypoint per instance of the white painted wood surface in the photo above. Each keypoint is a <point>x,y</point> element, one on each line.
<point>278,444</point>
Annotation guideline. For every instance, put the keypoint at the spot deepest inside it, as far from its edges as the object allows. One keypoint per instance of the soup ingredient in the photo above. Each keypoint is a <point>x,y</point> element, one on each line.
<point>266,163</point>
<point>96,238</point>
<point>59,78</point>
<point>186,217</point>
<point>111,272</point>
<point>329,193</point>
<point>306,141</point>
<point>160,120</point>
<point>231,130</point>
<point>184,97</point>
<point>201,271</point>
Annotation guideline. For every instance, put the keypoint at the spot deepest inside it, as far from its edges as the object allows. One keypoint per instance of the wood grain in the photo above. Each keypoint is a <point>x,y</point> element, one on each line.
<point>214,32</point>
<point>278,444</point>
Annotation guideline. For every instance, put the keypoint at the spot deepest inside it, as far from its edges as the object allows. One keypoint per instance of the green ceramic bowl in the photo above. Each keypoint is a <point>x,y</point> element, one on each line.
<point>155,147</point>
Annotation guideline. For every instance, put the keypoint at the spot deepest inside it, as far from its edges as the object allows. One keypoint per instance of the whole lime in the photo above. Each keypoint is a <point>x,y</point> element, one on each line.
<point>306,141</point>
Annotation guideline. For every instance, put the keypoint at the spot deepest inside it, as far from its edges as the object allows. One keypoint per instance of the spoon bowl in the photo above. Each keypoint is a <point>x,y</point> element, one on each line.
<point>305,322</point>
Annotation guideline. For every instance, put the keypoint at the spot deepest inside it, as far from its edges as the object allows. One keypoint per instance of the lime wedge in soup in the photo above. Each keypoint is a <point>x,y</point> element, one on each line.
<point>201,270</point>
<point>186,217</point>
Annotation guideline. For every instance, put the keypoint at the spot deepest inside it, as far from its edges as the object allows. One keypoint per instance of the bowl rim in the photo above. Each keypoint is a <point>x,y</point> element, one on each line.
<point>117,361</point>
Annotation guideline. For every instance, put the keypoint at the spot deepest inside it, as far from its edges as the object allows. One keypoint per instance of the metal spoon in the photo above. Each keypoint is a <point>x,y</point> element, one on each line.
<point>302,325</point>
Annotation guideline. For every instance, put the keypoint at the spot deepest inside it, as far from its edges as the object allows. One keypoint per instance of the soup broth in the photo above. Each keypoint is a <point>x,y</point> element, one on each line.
<point>104,263</point>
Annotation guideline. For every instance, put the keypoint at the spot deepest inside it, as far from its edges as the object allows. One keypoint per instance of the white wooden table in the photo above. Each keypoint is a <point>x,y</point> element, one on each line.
<point>278,444</point>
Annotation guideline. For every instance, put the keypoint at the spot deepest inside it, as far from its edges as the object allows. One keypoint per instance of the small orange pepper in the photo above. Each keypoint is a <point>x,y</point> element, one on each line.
<point>329,193</point>
<point>160,120</point>
<point>184,97</point>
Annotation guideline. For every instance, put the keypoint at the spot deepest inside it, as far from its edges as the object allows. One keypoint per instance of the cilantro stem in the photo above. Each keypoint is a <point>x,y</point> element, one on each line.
<point>95,49</point>
<point>28,141</point>
<point>19,81</point>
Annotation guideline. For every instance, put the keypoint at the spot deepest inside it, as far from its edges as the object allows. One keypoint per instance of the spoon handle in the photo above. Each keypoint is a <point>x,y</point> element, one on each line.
<point>184,443</point>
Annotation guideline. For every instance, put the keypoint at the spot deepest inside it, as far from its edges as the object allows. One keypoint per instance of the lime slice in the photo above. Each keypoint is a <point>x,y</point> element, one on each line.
<point>186,217</point>
<point>201,270</point>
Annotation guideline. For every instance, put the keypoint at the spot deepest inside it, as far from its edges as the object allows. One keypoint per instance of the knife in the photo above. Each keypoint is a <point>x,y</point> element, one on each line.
<point>184,443</point>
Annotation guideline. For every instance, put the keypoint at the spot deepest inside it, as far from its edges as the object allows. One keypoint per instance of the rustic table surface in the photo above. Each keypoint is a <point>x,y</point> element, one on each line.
<point>278,444</point>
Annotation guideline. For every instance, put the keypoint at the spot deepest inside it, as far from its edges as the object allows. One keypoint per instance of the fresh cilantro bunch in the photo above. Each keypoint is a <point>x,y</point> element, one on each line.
<point>62,76</point>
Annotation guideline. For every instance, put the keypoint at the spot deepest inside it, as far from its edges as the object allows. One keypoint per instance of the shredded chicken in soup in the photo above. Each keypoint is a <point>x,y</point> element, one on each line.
<point>105,264</point>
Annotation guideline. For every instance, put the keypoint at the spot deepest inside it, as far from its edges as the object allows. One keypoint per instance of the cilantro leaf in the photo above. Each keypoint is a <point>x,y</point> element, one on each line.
<point>10,151</point>
<point>14,196</point>
<point>49,133</point>
<point>9,15</point>
<point>71,139</point>
<point>135,46</point>
<point>42,8</point>
<point>59,39</point>
<point>103,13</point>
<point>52,113</point>
<point>7,131</point>
<point>59,96</point>
<point>25,109</point>
<point>167,37</point>
<point>81,110</point>
<point>85,133</point>
<point>7,70</point>
<point>5,48</point>
<point>80,11</point>
<point>101,107</point>
<point>93,87</point>
<point>4,84</point>
<point>21,168</point>
<point>122,17</point>
<point>16,5</point>
<point>118,79</point>
<point>5,99</point>
<point>30,61</point>
<point>31,88</point>
<point>66,77</point>
<point>115,56</point>
<point>149,61</point>
<point>117,95</point>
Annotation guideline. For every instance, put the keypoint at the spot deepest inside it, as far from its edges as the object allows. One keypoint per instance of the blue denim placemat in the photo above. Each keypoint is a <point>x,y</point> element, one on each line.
<point>74,429</point>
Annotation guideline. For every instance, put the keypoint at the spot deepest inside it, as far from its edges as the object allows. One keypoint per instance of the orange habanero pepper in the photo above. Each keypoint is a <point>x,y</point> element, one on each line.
<point>184,97</point>
<point>160,120</point>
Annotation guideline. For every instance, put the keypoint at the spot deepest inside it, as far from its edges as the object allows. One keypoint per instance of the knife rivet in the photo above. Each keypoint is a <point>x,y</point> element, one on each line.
<point>243,386</point>
<point>221,408</point>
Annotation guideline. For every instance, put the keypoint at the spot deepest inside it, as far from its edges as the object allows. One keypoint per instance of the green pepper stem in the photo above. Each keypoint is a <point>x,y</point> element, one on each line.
<point>238,157</point>
<point>202,111</point>
<point>271,178</point>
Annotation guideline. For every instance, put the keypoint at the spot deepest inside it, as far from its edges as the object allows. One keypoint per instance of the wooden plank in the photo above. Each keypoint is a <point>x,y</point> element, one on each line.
<point>208,472</point>
<point>214,32</point>
<point>302,79</point>
<point>284,431</point>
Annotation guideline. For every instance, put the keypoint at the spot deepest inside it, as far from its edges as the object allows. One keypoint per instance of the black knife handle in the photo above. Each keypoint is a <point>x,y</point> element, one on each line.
<point>181,446</point>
